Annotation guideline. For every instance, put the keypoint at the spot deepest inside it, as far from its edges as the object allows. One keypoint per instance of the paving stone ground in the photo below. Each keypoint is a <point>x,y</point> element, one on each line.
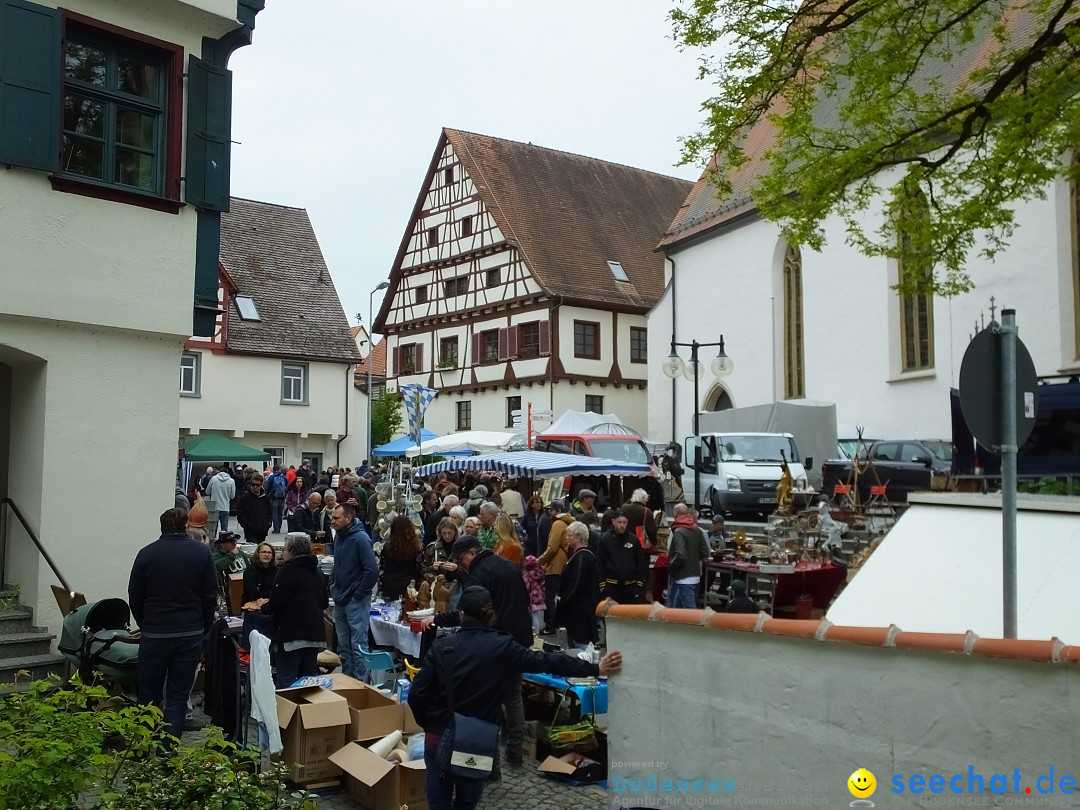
<point>524,789</point>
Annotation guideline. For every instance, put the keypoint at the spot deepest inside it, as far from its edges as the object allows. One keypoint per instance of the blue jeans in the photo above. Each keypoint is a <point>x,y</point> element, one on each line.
<point>223,521</point>
<point>168,664</point>
<point>447,793</point>
<point>682,596</point>
<point>277,510</point>
<point>351,622</point>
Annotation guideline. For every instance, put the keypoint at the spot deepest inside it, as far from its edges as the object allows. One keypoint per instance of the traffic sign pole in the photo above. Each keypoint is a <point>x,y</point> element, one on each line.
<point>1008,469</point>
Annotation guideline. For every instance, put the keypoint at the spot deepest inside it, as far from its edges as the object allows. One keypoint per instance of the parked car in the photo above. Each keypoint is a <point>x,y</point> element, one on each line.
<point>902,465</point>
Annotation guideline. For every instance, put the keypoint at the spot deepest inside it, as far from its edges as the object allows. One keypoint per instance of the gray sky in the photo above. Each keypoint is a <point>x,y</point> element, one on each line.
<point>338,104</point>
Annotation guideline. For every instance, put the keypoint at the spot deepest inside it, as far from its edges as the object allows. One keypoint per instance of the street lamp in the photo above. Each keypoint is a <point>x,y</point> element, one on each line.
<point>721,366</point>
<point>371,358</point>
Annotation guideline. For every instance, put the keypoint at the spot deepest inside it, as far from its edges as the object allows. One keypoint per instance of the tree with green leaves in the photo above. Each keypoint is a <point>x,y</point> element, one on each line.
<point>386,418</point>
<point>835,107</point>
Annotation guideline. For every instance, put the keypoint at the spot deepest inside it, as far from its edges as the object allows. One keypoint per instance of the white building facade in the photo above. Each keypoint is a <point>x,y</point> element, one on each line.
<point>277,374</point>
<point>524,277</point>
<point>98,270</point>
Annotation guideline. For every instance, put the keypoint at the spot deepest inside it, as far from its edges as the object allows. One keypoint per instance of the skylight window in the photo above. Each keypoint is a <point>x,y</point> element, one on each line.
<point>618,272</point>
<point>245,305</point>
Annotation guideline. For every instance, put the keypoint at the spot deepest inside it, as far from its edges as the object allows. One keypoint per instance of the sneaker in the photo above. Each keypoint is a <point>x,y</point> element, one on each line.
<point>548,631</point>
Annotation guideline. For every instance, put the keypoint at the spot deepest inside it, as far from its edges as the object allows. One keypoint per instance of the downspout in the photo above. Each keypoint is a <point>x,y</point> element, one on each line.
<point>674,337</point>
<point>349,376</point>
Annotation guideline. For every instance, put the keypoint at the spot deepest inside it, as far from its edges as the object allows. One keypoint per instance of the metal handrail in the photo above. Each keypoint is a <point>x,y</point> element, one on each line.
<point>10,504</point>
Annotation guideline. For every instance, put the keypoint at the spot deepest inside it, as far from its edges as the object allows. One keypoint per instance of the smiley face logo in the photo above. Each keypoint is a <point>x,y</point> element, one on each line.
<point>862,784</point>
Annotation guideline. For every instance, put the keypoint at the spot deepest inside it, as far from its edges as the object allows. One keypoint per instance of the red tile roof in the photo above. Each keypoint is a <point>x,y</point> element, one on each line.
<point>1052,651</point>
<point>378,364</point>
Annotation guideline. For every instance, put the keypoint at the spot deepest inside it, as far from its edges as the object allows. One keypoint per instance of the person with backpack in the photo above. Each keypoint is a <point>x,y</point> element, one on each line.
<point>687,553</point>
<point>276,486</point>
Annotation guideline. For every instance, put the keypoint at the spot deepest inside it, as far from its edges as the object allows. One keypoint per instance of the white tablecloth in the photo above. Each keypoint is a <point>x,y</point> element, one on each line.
<point>392,634</point>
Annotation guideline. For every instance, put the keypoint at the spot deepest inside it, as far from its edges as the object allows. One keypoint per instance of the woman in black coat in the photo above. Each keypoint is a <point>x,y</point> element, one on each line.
<point>297,603</point>
<point>259,575</point>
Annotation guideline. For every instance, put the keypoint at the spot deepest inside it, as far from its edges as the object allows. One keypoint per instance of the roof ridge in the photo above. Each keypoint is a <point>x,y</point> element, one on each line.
<point>570,154</point>
<point>268,204</point>
<point>1046,651</point>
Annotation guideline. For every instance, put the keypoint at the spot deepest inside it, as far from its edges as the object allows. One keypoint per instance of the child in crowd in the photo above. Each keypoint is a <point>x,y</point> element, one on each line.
<point>534,584</point>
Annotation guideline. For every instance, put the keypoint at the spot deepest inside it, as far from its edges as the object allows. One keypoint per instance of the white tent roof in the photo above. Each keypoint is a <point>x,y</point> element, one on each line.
<point>477,441</point>
<point>939,570</point>
<point>538,464</point>
<point>576,422</point>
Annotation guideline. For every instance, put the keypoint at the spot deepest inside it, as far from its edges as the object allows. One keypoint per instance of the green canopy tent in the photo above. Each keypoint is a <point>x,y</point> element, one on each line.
<point>218,448</point>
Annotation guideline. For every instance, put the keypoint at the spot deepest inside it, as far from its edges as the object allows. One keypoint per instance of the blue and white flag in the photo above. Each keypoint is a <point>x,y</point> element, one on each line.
<point>417,398</point>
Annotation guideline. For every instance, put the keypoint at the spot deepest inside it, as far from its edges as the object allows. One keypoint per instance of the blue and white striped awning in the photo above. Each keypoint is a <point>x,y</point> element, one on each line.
<point>536,464</point>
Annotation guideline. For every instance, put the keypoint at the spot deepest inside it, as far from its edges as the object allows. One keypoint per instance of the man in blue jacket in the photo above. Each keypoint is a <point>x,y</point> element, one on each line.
<point>356,570</point>
<point>172,592</point>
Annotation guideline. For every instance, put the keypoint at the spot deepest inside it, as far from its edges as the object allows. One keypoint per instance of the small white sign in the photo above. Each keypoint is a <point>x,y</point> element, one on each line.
<point>1029,404</point>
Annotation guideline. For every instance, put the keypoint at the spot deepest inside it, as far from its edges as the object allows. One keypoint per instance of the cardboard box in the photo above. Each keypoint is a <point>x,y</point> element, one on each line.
<point>529,750</point>
<point>375,783</point>
<point>576,768</point>
<point>371,713</point>
<point>313,723</point>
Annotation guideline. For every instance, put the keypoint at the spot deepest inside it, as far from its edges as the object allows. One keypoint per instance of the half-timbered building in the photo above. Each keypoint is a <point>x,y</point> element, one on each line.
<point>524,276</point>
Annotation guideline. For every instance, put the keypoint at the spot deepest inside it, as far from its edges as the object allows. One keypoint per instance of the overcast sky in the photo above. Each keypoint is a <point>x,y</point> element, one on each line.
<point>338,104</point>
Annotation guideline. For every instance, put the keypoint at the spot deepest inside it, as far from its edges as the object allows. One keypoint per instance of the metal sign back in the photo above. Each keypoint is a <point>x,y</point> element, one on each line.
<point>980,386</point>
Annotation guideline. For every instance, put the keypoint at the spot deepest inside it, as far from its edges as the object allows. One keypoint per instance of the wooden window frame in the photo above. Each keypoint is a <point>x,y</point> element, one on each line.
<point>454,355</point>
<point>594,397</point>
<point>448,176</point>
<point>914,307</point>
<point>420,294</point>
<point>1074,228</point>
<point>467,226</point>
<point>794,345</point>
<point>492,277</point>
<point>639,344</point>
<point>452,287</point>
<point>432,236</point>
<point>595,326</point>
<point>408,359</point>
<point>511,406</point>
<point>487,355</point>
<point>170,58</point>
<point>463,415</point>
<point>527,350</point>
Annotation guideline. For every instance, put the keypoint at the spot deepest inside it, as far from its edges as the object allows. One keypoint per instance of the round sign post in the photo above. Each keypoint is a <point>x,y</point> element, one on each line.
<point>999,397</point>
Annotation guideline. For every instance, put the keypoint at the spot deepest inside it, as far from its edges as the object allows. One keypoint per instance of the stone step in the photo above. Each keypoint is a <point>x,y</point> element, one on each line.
<point>17,673</point>
<point>17,619</point>
<point>22,644</point>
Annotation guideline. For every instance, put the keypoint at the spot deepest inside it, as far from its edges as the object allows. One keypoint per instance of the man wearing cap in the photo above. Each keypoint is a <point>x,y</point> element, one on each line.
<point>506,587</point>
<point>717,539</point>
<point>585,505</point>
<point>228,559</point>
<point>622,563</point>
<point>739,601</point>
<point>483,665</point>
<point>553,559</point>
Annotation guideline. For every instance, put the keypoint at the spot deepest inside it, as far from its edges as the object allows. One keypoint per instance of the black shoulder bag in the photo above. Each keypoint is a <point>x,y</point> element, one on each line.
<point>469,745</point>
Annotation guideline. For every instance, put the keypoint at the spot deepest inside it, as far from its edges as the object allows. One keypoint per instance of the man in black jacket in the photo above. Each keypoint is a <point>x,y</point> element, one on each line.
<point>172,592</point>
<point>253,511</point>
<point>504,582</point>
<point>483,664</point>
<point>306,518</point>
<point>622,563</point>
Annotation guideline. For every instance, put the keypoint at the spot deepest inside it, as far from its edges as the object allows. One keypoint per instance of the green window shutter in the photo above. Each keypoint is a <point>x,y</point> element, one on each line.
<point>207,246</point>
<point>29,85</point>
<point>209,124</point>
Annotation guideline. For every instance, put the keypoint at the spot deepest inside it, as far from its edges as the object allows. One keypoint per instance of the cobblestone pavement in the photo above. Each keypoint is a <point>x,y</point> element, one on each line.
<point>524,789</point>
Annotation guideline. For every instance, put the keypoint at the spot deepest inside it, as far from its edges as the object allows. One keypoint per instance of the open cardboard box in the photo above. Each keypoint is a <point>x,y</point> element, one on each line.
<point>313,723</point>
<point>373,781</point>
<point>574,768</point>
<point>371,713</point>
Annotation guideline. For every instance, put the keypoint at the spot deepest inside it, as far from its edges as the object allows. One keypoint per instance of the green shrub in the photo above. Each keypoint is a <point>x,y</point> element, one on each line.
<point>73,747</point>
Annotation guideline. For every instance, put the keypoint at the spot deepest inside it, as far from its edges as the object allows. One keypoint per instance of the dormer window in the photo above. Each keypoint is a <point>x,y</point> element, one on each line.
<point>245,305</point>
<point>617,271</point>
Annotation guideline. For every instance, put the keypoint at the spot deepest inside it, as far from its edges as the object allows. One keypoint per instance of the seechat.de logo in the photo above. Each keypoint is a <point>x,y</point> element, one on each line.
<point>862,785</point>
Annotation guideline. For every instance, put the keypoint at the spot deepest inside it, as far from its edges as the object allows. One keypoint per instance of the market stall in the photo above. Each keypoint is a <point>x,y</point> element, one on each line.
<point>535,464</point>
<point>786,590</point>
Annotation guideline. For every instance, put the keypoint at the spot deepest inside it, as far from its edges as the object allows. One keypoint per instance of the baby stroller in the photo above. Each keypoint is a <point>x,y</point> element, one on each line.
<point>98,641</point>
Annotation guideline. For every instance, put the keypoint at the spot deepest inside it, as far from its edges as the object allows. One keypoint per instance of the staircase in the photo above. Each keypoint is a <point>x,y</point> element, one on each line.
<point>24,646</point>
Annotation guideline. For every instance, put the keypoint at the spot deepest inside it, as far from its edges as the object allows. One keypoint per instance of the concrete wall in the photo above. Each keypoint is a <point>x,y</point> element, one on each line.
<point>787,720</point>
<point>92,456</point>
<point>730,285</point>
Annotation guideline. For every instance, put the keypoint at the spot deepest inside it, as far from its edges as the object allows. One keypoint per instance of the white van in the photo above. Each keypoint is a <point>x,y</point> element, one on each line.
<point>739,471</point>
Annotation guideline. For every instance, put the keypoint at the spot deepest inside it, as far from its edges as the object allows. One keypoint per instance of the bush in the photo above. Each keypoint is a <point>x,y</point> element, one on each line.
<point>73,746</point>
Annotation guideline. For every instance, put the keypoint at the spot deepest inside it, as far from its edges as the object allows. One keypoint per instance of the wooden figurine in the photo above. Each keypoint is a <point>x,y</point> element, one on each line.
<point>442,594</point>
<point>423,601</point>
<point>411,595</point>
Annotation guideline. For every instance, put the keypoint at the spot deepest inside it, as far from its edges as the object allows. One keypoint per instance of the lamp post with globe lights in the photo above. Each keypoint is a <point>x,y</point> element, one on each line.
<point>721,366</point>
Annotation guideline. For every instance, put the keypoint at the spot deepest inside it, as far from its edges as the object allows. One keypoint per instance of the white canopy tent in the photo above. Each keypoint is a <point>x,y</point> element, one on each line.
<point>573,423</point>
<point>475,441</point>
<point>939,570</point>
<point>537,464</point>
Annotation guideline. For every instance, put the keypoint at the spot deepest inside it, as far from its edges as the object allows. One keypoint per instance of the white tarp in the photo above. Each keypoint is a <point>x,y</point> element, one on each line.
<point>477,441</point>
<point>574,423</point>
<point>939,570</point>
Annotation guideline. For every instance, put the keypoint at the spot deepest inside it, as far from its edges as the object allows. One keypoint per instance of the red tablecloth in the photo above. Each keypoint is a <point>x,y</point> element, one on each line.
<point>820,583</point>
